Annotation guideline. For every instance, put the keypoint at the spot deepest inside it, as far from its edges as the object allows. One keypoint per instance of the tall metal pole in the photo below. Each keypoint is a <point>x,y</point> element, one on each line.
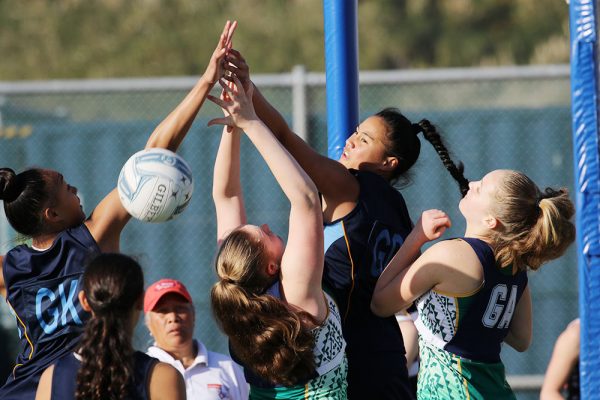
<point>584,96</point>
<point>341,72</point>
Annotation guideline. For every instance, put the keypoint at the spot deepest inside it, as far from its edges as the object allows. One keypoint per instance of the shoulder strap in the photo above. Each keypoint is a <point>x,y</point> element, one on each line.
<point>482,249</point>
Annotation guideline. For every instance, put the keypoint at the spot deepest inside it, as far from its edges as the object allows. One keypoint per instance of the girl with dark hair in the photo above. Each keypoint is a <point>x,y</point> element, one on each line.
<point>105,365</point>
<point>366,221</point>
<point>282,327</point>
<point>471,293</point>
<point>42,280</point>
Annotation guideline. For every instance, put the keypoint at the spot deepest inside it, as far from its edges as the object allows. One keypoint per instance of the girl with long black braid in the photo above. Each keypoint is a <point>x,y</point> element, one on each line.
<point>105,365</point>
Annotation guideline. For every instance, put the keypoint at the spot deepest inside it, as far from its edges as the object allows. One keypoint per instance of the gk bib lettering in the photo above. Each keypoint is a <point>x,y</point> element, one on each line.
<point>51,312</point>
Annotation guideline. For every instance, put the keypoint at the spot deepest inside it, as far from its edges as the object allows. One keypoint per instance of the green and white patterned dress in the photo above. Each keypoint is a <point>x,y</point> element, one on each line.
<point>460,335</point>
<point>331,364</point>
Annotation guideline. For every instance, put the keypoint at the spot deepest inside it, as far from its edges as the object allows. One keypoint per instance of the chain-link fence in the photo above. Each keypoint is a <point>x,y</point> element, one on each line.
<point>515,118</point>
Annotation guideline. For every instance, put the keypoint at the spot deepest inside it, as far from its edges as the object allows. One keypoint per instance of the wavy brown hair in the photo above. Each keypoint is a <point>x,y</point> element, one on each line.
<point>265,335</point>
<point>535,226</point>
<point>113,285</point>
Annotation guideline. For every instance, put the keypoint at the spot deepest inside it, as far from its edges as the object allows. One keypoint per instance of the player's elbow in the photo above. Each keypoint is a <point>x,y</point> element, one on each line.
<point>307,198</point>
<point>379,307</point>
<point>519,342</point>
<point>521,347</point>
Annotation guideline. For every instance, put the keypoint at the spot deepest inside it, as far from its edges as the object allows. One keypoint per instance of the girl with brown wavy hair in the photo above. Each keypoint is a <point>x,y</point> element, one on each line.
<point>471,293</point>
<point>282,327</point>
<point>105,365</point>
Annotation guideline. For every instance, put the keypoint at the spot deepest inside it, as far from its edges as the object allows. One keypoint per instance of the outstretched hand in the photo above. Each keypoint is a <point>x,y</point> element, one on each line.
<point>236,64</point>
<point>236,103</point>
<point>215,69</point>
<point>431,225</point>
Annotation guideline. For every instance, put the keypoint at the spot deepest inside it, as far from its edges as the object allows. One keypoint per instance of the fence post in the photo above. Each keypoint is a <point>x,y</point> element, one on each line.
<point>299,113</point>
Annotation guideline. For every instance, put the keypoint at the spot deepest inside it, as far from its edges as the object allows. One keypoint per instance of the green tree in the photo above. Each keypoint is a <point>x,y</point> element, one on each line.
<point>49,39</point>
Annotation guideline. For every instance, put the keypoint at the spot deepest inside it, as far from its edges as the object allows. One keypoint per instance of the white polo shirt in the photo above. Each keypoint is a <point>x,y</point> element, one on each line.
<point>212,376</point>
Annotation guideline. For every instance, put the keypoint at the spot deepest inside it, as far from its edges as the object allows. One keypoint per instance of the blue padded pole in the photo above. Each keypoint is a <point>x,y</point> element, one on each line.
<point>341,72</point>
<point>584,97</point>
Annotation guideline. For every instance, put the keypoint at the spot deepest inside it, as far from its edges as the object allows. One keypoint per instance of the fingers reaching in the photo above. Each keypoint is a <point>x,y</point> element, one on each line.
<point>223,103</point>
<point>230,32</point>
<point>236,55</point>
<point>236,64</point>
<point>221,121</point>
<point>215,67</point>
<point>227,34</point>
<point>223,40</point>
<point>225,97</point>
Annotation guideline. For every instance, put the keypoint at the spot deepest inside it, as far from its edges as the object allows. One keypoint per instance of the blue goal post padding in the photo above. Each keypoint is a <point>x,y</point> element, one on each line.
<point>341,72</point>
<point>584,96</point>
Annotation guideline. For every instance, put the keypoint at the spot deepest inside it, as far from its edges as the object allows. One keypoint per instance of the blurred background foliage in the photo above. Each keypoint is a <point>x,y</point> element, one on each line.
<point>54,39</point>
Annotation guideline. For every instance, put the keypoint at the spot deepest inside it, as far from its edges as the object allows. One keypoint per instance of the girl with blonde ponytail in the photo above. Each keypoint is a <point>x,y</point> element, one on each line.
<point>471,292</point>
<point>282,327</point>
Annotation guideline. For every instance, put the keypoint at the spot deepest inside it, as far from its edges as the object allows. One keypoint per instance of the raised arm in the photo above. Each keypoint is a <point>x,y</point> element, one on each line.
<point>109,217</point>
<point>227,188</point>
<point>406,277</point>
<point>302,262</point>
<point>332,179</point>
<point>171,131</point>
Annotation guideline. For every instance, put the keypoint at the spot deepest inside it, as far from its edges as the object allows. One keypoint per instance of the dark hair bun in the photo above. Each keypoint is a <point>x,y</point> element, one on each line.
<point>7,177</point>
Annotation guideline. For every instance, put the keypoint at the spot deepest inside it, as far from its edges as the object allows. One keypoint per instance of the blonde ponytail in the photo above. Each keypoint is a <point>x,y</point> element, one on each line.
<point>535,227</point>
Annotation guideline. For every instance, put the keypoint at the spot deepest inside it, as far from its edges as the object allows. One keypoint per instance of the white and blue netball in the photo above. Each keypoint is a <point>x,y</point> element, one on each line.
<point>155,185</point>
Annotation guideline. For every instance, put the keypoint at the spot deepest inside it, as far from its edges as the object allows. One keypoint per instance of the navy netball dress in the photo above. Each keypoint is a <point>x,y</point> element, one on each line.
<point>357,249</point>
<point>42,288</point>
<point>460,334</point>
<point>64,377</point>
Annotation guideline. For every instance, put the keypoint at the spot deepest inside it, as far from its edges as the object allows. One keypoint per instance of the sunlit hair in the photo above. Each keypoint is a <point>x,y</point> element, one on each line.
<point>113,284</point>
<point>268,338</point>
<point>25,196</point>
<point>535,226</point>
<point>404,144</point>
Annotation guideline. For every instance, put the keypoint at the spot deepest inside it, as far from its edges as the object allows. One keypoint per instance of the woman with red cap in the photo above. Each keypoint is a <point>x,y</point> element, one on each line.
<point>170,318</point>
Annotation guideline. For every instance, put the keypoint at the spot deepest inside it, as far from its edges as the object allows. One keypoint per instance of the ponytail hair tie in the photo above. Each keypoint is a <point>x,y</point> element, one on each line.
<point>417,128</point>
<point>549,193</point>
<point>229,280</point>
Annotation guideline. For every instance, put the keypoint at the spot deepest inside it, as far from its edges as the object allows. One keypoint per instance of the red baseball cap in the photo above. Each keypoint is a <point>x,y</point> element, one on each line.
<point>160,288</point>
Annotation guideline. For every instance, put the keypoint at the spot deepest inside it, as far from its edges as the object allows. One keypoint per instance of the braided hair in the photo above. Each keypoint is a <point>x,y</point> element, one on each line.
<point>113,285</point>
<point>404,144</point>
